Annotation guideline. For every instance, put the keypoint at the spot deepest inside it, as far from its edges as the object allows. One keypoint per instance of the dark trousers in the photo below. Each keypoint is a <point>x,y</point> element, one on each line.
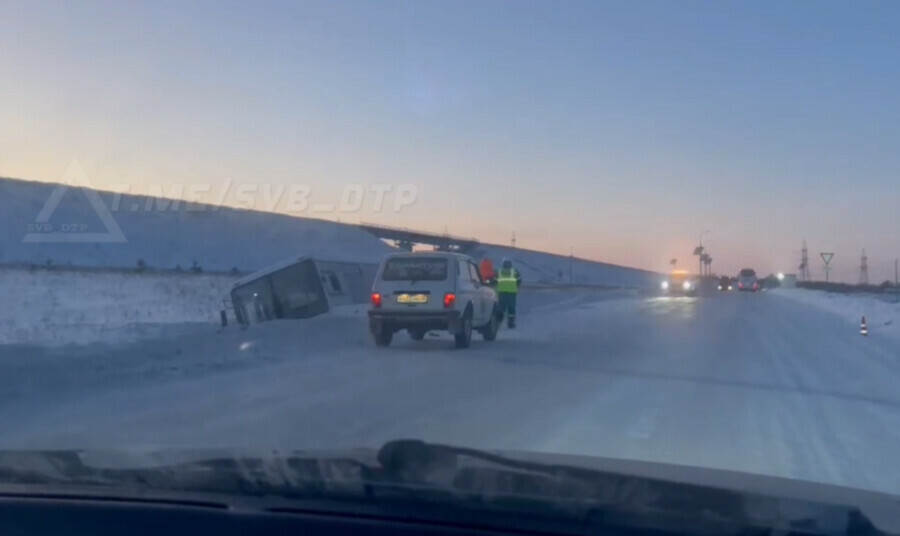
<point>507,303</point>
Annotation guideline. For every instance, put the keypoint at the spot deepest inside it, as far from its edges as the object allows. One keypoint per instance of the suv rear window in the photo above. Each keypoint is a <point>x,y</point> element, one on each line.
<point>413,269</point>
<point>747,272</point>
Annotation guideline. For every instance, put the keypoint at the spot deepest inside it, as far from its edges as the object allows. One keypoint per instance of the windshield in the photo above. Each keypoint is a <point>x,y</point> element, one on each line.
<point>644,231</point>
<point>415,269</point>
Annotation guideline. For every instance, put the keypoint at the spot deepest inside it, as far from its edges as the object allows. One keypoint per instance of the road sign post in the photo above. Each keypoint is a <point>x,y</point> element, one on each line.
<point>826,258</point>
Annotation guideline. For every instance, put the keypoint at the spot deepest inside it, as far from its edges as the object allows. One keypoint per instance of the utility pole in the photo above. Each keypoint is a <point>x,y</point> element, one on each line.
<point>705,262</point>
<point>513,240</point>
<point>804,263</point>
<point>864,269</point>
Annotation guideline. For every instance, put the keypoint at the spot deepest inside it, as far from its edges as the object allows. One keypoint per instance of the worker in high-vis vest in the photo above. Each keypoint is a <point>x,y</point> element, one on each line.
<point>508,283</point>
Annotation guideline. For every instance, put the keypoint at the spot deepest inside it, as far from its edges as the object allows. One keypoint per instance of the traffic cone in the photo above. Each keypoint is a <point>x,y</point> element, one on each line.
<point>863,330</point>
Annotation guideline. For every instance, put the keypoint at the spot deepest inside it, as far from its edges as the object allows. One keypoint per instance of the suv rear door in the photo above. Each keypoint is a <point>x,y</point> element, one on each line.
<point>488,296</point>
<point>415,282</point>
<point>469,290</point>
<point>484,299</point>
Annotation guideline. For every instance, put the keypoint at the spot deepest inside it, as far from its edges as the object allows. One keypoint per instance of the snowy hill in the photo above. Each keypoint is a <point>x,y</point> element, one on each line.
<point>219,239</point>
<point>225,238</point>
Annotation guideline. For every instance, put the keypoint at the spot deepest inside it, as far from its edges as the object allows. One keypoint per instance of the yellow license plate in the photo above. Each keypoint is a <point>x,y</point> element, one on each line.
<point>412,298</point>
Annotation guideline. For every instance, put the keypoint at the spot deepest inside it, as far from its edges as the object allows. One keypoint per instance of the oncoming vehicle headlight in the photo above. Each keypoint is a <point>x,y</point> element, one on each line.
<point>686,285</point>
<point>664,285</point>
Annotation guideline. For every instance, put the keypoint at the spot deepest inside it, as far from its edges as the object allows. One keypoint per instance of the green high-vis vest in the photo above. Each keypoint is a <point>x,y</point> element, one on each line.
<point>506,281</point>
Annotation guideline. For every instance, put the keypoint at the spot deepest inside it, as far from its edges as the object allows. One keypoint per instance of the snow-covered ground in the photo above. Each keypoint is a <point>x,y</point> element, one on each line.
<point>54,307</point>
<point>882,312</point>
<point>750,382</point>
<point>65,306</point>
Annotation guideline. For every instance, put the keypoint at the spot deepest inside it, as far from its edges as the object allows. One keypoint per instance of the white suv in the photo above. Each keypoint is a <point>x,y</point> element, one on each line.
<point>422,292</point>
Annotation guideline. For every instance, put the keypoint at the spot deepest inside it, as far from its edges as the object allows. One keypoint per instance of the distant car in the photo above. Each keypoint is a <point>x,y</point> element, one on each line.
<point>422,292</point>
<point>747,280</point>
<point>679,283</point>
<point>725,283</point>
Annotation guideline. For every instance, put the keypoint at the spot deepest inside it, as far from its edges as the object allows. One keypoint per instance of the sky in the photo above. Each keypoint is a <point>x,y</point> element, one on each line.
<point>618,131</point>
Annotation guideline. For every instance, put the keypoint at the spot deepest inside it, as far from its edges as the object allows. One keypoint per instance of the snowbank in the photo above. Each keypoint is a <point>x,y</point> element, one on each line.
<point>882,312</point>
<point>61,306</point>
<point>538,267</point>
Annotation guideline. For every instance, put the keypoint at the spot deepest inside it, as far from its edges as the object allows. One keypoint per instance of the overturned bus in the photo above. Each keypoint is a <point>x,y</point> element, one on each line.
<point>301,288</point>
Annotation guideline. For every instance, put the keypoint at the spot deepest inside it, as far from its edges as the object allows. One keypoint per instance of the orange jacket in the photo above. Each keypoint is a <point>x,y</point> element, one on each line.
<point>487,269</point>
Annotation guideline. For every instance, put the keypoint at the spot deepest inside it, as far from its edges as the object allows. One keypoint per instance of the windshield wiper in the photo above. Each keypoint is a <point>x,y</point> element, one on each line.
<point>284,476</point>
<point>607,498</point>
<point>435,478</point>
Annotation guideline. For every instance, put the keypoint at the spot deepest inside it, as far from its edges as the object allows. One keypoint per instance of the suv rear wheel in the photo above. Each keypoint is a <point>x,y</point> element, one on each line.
<point>464,338</point>
<point>489,332</point>
<point>383,336</point>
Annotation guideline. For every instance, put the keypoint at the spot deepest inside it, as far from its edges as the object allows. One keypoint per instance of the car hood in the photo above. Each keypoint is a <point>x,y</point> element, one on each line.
<point>564,484</point>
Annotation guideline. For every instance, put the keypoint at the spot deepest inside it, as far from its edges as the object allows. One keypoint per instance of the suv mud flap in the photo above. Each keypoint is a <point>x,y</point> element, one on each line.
<point>375,326</point>
<point>454,324</point>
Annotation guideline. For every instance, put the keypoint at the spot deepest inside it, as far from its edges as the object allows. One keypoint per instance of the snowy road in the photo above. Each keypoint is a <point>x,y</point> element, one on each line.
<point>755,383</point>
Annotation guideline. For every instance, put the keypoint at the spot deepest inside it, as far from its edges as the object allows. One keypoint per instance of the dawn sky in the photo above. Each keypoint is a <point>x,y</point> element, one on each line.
<point>617,130</point>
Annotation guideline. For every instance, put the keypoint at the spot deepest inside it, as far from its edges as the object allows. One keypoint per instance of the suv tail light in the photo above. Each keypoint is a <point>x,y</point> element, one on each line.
<point>449,300</point>
<point>755,286</point>
<point>376,300</point>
